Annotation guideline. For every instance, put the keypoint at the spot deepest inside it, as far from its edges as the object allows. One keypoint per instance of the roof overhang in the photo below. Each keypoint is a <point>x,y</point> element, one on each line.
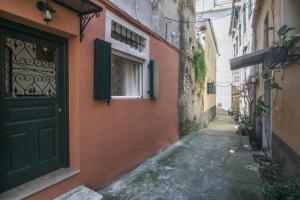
<point>85,9</point>
<point>250,59</point>
<point>81,7</point>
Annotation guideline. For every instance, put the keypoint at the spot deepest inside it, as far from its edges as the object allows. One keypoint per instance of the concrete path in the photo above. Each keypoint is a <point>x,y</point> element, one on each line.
<point>213,164</point>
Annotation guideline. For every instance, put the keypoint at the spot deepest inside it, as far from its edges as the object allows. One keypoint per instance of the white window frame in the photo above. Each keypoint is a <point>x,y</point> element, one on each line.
<point>118,46</point>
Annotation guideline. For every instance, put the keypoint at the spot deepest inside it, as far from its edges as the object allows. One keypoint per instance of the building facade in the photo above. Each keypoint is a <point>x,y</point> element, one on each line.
<point>280,124</point>
<point>83,99</point>
<point>241,34</point>
<point>219,13</point>
<point>207,38</point>
<point>277,71</point>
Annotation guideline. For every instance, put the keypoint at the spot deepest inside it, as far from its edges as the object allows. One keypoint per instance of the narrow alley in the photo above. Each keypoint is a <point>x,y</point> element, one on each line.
<point>213,163</point>
<point>149,100</point>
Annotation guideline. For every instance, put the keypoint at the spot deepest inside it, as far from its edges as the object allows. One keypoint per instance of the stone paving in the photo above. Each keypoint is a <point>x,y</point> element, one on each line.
<point>213,163</point>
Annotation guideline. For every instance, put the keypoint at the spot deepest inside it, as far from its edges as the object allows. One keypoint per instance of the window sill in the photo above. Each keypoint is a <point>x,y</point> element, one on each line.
<point>126,97</point>
<point>39,184</point>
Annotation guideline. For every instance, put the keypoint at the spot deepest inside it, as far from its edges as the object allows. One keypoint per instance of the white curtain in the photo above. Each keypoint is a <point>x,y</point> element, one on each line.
<point>131,84</point>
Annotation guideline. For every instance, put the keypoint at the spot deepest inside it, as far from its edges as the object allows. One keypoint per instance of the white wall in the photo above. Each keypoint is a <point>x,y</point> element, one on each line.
<point>246,42</point>
<point>206,5</point>
<point>153,15</point>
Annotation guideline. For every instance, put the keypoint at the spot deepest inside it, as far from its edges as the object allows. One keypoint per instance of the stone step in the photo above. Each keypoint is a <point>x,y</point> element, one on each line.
<point>80,193</point>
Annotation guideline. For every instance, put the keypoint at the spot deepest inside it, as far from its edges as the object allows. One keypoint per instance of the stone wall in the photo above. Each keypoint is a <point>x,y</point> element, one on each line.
<point>190,94</point>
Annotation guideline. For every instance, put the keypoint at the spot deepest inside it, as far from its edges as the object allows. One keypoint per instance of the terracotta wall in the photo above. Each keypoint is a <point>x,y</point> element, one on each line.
<point>106,140</point>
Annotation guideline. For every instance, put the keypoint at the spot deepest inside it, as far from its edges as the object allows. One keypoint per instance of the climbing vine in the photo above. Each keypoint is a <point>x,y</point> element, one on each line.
<point>199,65</point>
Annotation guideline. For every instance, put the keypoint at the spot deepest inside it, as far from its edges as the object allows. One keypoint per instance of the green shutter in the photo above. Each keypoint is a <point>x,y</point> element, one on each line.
<point>208,88</point>
<point>154,79</point>
<point>102,70</point>
<point>214,86</point>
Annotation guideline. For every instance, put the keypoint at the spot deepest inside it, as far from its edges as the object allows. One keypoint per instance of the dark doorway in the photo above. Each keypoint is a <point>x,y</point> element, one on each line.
<point>33,137</point>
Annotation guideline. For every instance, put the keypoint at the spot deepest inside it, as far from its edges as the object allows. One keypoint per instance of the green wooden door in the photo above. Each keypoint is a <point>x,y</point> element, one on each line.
<point>33,104</point>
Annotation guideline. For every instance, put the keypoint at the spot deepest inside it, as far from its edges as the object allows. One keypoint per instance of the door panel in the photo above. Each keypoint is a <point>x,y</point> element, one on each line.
<point>33,106</point>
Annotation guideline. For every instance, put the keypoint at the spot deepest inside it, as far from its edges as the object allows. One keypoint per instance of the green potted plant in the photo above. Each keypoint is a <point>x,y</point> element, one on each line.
<point>280,49</point>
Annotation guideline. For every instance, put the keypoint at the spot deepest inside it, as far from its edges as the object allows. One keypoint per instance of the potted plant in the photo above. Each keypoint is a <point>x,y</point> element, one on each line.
<point>280,49</point>
<point>266,158</point>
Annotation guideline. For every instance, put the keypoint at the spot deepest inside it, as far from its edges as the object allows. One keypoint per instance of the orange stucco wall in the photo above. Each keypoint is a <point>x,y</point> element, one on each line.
<point>105,140</point>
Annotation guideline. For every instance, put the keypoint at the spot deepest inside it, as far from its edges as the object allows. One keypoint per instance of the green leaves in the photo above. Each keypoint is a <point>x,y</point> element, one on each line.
<point>275,85</point>
<point>261,108</point>
<point>283,35</point>
<point>199,65</point>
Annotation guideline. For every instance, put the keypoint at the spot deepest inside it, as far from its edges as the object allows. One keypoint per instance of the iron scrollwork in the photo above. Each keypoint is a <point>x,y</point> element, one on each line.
<point>30,69</point>
<point>84,20</point>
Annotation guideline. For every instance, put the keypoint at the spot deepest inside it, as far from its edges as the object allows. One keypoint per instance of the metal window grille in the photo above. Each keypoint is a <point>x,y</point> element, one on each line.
<point>127,36</point>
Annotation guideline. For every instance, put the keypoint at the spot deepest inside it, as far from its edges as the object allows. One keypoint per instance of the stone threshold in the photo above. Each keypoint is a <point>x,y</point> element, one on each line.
<point>80,193</point>
<point>38,184</point>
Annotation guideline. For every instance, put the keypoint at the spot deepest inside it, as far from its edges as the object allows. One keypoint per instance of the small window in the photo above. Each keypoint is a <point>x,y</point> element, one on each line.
<point>126,76</point>
<point>211,88</point>
<point>125,35</point>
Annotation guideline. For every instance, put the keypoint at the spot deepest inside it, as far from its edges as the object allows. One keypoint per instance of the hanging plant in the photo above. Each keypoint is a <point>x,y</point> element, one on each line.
<point>199,65</point>
<point>281,47</point>
<point>261,108</point>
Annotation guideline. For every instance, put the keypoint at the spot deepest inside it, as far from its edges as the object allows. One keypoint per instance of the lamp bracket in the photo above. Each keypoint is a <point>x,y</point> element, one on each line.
<point>84,20</point>
<point>43,6</point>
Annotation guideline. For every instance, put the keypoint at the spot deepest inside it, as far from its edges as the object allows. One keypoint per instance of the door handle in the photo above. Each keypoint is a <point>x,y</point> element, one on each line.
<point>59,110</point>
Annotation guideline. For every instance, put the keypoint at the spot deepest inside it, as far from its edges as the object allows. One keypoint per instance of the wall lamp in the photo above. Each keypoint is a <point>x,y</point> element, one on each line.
<point>46,10</point>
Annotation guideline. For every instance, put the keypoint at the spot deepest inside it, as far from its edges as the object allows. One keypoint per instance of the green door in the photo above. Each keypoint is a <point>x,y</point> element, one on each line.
<point>33,104</point>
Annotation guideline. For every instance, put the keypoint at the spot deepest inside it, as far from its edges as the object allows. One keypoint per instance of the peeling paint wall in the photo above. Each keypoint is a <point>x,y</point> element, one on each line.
<point>154,14</point>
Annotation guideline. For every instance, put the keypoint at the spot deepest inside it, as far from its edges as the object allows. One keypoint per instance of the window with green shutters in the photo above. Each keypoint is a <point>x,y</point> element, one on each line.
<point>120,75</point>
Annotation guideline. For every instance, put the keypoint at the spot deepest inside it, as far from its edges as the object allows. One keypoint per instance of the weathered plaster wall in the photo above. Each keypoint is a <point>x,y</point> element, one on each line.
<point>208,111</point>
<point>190,99</point>
<point>285,110</point>
<point>274,20</point>
<point>153,13</point>
<point>211,56</point>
